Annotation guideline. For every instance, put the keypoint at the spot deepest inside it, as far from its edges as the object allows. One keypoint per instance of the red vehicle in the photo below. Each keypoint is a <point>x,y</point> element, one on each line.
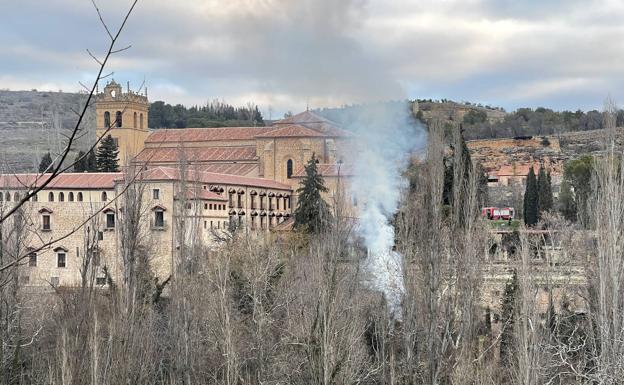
<point>496,213</point>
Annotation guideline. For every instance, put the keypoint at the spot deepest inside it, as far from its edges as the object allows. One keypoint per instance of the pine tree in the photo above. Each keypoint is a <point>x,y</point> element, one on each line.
<point>91,162</point>
<point>545,197</point>
<point>508,313</point>
<point>312,212</point>
<point>80,162</point>
<point>107,155</point>
<point>531,199</point>
<point>46,162</point>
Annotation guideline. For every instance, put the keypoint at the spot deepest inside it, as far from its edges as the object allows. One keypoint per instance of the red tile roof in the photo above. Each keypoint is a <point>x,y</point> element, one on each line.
<point>291,130</point>
<point>170,173</point>
<point>205,134</point>
<point>63,181</point>
<point>197,154</point>
<point>242,169</point>
<point>316,122</point>
<point>326,169</point>
<point>203,195</point>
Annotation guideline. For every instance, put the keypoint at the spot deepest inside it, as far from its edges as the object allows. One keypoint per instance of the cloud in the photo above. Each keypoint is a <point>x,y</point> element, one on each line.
<point>287,54</point>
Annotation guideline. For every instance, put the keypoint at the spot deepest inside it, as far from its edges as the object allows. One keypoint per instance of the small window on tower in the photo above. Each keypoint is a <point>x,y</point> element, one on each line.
<point>106,119</point>
<point>118,122</point>
<point>289,168</point>
<point>156,193</point>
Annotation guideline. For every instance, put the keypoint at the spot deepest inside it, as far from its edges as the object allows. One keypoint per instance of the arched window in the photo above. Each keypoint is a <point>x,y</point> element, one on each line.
<point>141,120</point>
<point>61,197</point>
<point>135,120</point>
<point>16,197</point>
<point>79,197</point>
<point>118,118</point>
<point>35,198</point>
<point>1,197</point>
<point>70,196</point>
<point>104,196</point>
<point>289,168</point>
<point>106,119</point>
<point>51,197</point>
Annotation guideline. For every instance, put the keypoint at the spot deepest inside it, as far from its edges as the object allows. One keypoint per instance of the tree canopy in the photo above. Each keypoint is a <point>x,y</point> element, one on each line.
<point>213,114</point>
<point>312,212</point>
<point>86,163</point>
<point>107,154</point>
<point>531,198</point>
<point>46,162</point>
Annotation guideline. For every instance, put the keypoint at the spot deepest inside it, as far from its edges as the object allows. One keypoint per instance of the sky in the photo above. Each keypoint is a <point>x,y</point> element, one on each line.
<point>289,54</point>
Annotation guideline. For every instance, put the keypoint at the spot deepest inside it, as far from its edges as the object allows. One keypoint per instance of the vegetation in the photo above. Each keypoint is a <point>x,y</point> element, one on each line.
<point>312,212</point>
<point>213,114</point>
<point>46,162</point>
<point>576,188</point>
<point>107,155</point>
<point>531,200</point>
<point>85,162</point>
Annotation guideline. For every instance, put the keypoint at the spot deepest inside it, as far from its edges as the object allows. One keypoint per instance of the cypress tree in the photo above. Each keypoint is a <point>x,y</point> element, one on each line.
<point>508,313</point>
<point>312,212</point>
<point>80,162</point>
<point>545,197</point>
<point>107,155</point>
<point>531,199</point>
<point>46,162</point>
<point>91,162</point>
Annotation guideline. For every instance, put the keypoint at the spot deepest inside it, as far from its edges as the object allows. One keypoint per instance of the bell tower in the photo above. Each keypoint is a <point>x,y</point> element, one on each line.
<point>124,115</point>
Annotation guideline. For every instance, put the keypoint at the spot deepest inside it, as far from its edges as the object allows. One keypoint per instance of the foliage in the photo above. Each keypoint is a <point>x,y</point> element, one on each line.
<point>475,117</point>
<point>213,114</point>
<point>508,313</point>
<point>312,212</point>
<point>544,192</point>
<point>86,163</point>
<point>576,187</point>
<point>531,200</point>
<point>46,162</point>
<point>107,154</point>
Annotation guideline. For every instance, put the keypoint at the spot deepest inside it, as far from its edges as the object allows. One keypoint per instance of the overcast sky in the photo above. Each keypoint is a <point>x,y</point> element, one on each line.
<point>285,54</point>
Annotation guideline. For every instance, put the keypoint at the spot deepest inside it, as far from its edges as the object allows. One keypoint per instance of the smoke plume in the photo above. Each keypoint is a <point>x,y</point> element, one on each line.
<point>388,135</point>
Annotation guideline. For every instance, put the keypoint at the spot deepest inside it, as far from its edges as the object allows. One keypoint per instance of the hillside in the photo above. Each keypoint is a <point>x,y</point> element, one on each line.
<point>33,123</point>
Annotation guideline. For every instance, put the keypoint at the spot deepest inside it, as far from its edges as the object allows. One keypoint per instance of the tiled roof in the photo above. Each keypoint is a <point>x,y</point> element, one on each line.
<point>202,194</point>
<point>326,169</point>
<point>316,122</point>
<point>243,169</point>
<point>291,130</point>
<point>205,134</point>
<point>170,173</point>
<point>62,181</point>
<point>197,154</point>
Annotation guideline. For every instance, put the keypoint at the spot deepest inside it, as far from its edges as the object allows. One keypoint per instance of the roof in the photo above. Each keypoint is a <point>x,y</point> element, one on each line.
<point>197,154</point>
<point>170,173</point>
<point>326,169</point>
<point>62,181</point>
<point>291,130</point>
<point>242,169</point>
<point>203,195</point>
<point>169,135</point>
<point>316,122</point>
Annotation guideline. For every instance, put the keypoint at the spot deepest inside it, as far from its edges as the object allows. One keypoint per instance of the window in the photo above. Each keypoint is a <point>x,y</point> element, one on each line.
<point>210,206</point>
<point>261,203</point>
<point>107,119</point>
<point>135,120</point>
<point>104,196</point>
<point>32,260</point>
<point>156,193</point>
<point>231,199</point>
<point>45,225</point>
<point>1,197</point>
<point>51,197</point>
<point>96,257</point>
<point>7,197</point>
<point>100,281</point>
<point>16,197</point>
<point>240,201</point>
<point>211,225</point>
<point>118,119</point>
<point>141,121</point>
<point>116,141</point>
<point>70,196</point>
<point>35,198</point>
<point>79,197</point>
<point>289,168</point>
<point>61,197</point>
<point>205,224</point>
<point>159,218</point>
<point>188,206</point>
<point>60,259</point>
<point>110,220</point>
<point>253,202</point>
<point>100,236</point>
<point>206,206</point>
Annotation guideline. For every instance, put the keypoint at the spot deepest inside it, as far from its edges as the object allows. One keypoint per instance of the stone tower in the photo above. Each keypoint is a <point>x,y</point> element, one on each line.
<point>126,115</point>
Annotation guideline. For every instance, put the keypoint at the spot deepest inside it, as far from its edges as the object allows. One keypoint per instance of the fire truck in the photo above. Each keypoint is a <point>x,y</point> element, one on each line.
<point>497,213</point>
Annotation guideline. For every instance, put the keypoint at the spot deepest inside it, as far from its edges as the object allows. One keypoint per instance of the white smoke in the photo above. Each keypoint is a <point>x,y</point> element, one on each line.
<point>388,136</point>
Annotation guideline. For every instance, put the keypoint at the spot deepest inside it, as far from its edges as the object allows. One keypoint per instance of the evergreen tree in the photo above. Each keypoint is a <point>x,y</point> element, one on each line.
<point>91,163</point>
<point>80,162</point>
<point>312,212</point>
<point>46,162</point>
<point>107,155</point>
<point>508,313</point>
<point>531,199</point>
<point>545,197</point>
<point>567,203</point>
